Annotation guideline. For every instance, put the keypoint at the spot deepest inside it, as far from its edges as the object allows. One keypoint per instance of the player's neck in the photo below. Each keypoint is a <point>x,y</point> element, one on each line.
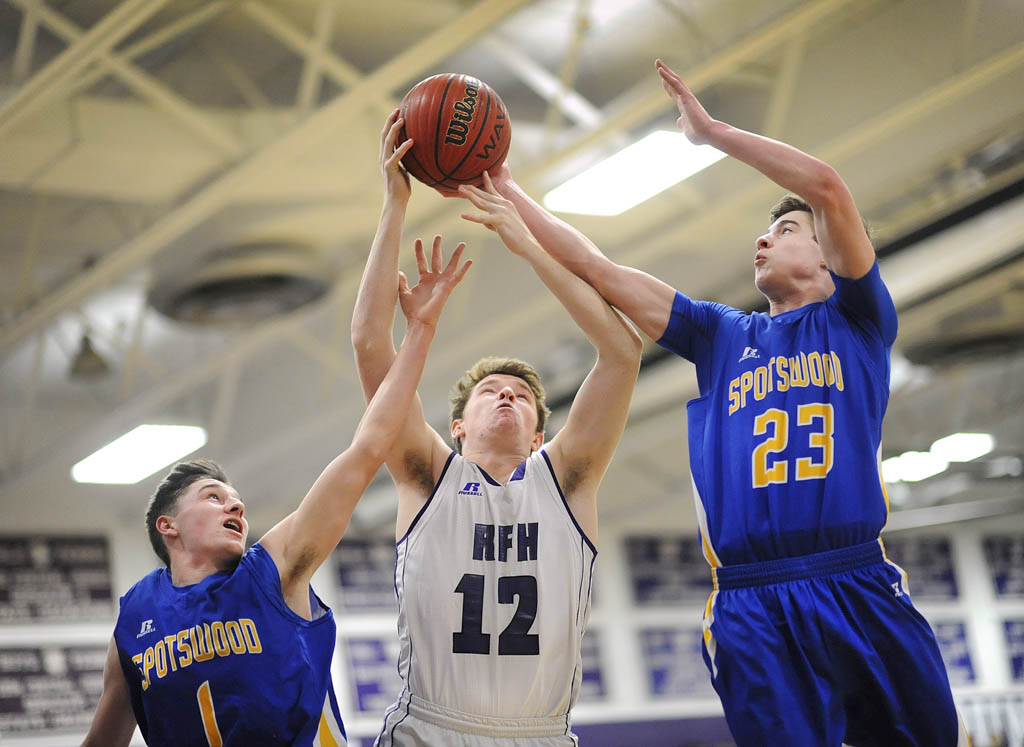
<point>499,465</point>
<point>187,570</point>
<point>795,298</point>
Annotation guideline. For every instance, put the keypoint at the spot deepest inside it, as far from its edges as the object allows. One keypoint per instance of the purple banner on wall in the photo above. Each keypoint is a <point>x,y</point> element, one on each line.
<point>1015,647</point>
<point>49,688</point>
<point>928,562</point>
<point>54,579</point>
<point>667,570</point>
<point>1004,555</point>
<point>373,672</point>
<point>674,663</point>
<point>956,653</point>
<point>366,573</point>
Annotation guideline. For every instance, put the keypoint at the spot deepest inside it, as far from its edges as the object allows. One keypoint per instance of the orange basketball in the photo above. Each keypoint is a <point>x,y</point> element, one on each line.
<point>459,127</point>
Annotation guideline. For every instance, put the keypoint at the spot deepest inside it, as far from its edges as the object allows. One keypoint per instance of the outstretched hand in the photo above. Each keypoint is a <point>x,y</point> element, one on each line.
<point>500,175</point>
<point>425,301</point>
<point>499,215</point>
<point>694,119</point>
<point>396,178</point>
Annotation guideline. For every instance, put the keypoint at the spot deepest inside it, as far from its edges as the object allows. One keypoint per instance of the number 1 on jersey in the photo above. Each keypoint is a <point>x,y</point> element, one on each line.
<point>209,717</point>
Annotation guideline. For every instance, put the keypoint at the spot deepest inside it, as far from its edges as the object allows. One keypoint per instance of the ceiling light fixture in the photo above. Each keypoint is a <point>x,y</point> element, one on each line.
<point>138,454</point>
<point>913,466</point>
<point>963,447</point>
<point>632,175</point>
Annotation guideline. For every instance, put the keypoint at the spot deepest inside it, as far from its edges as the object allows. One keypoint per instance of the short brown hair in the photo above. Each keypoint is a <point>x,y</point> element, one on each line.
<point>164,501</point>
<point>789,203</point>
<point>487,367</point>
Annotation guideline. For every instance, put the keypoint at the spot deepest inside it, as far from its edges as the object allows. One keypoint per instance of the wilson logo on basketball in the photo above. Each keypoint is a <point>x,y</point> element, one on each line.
<point>458,126</point>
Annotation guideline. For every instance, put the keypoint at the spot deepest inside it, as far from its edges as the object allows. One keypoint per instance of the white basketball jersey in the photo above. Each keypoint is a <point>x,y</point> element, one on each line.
<point>493,587</point>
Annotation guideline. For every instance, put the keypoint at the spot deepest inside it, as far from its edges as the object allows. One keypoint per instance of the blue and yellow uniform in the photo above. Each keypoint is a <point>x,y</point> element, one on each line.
<point>810,634</point>
<point>227,662</point>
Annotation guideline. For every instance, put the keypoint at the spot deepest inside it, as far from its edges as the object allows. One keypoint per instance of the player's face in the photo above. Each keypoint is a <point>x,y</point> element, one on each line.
<point>788,253</point>
<point>501,405</point>
<point>210,522</point>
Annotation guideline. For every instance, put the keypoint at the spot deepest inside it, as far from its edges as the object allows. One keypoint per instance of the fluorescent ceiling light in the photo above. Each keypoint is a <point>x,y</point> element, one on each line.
<point>963,447</point>
<point>632,175</point>
<point>912,466</point>
<point>138,454</point>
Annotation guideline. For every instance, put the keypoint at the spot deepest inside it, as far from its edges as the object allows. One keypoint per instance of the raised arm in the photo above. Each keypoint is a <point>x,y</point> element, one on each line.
<point>304,539</point>
<point>838,225</point>
<point>373,319</point>
<point>583,448</point>
<point>114,721</point>
<point>419,452</point>
<point>643,298</point>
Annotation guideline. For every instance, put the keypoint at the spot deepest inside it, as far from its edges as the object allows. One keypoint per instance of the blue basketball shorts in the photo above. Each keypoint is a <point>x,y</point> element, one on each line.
<point>824,649</point>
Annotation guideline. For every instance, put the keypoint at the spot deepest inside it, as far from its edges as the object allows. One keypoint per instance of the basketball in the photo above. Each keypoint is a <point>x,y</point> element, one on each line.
<point>459,127</point>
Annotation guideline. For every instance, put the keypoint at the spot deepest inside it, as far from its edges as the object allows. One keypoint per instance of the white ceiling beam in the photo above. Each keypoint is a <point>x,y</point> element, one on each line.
<point>785,86</point>
<point>309,82</point>
<point>212,197</point>
<point>26,276</point>
<point>26,43</point>
<point>340,71</point>
<point>567,72</point>
<point>52,79</point>
<point>142,83</point>
<point>164,35</point>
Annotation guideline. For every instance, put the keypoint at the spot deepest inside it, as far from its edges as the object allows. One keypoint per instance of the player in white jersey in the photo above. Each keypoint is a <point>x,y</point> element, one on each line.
<point>496,541</point>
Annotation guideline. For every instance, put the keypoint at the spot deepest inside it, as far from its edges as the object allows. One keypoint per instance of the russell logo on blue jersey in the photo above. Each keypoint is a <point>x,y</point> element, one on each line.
<point>147,628</point>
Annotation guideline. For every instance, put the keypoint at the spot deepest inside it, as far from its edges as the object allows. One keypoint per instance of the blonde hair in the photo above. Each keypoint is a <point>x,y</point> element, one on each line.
<point>485,367</point>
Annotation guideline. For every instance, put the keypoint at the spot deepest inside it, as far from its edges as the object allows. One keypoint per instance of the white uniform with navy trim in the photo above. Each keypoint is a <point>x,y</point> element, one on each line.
<point>493,585</point>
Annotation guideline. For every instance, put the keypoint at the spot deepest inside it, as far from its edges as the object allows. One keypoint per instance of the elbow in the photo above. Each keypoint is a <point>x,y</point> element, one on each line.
<point>362,339</point>
<point>826,188</point>
<point>369,343</point>
<point>361,461</point>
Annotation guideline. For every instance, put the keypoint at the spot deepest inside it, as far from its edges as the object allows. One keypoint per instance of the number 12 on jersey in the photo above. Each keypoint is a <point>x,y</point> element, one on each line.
<point>775,423</point>
<point>515,639</point>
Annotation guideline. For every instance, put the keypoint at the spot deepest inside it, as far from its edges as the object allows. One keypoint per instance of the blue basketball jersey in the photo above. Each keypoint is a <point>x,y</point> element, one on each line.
<point>227,662</point>
<point>785,437</point>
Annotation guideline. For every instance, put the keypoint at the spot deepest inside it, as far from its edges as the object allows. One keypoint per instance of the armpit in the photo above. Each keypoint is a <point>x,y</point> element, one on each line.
<point>574,475</point>
<point>418,472</point>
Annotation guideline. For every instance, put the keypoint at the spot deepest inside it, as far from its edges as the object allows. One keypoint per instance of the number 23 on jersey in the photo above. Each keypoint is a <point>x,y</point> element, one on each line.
<point>767,469</point>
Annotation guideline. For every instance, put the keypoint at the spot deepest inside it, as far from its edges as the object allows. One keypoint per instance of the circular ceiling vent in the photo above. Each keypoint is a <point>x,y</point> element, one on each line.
<point>244,283</point>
